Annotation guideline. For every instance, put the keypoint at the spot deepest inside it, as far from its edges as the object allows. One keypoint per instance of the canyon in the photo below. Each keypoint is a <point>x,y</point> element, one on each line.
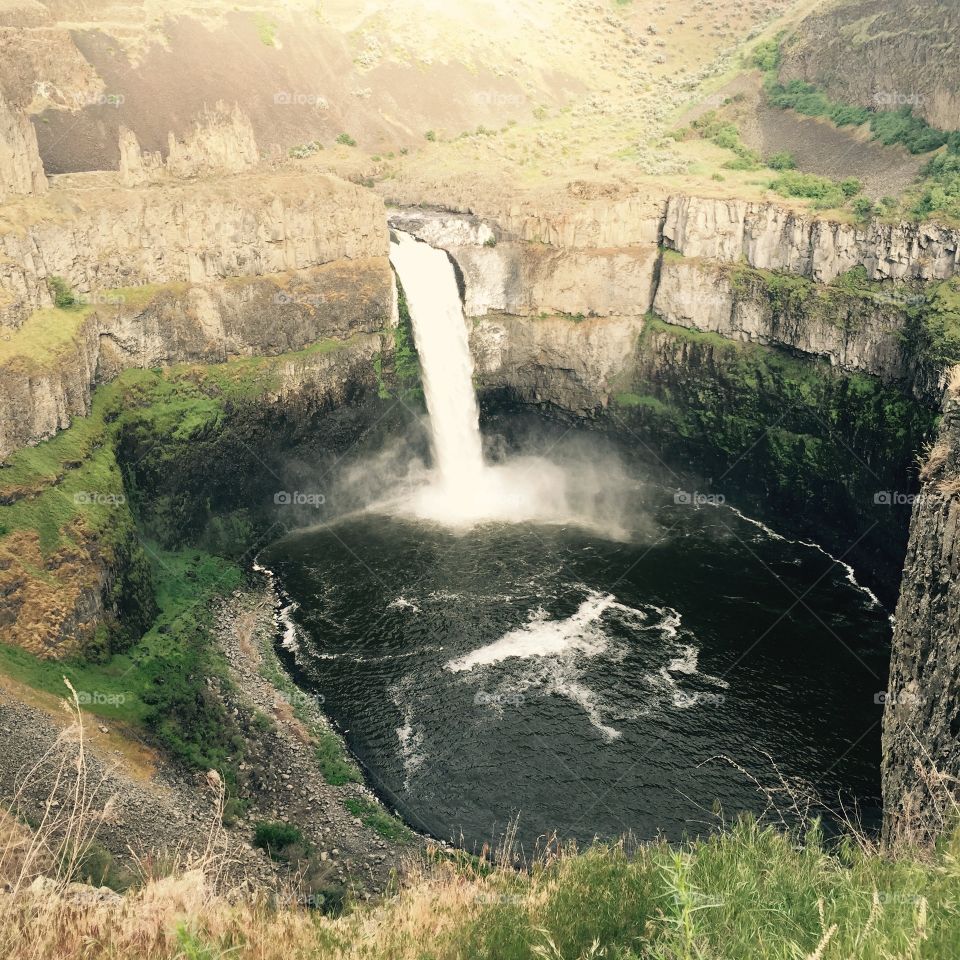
<point>194,297</point>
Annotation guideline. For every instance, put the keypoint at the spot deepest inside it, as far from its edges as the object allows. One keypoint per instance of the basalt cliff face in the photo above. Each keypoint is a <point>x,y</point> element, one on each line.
<point>882,55</point>
<point>921,729</point>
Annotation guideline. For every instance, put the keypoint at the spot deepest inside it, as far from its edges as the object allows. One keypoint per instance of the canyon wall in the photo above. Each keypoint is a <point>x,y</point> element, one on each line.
<point>144,327</point>
<point>921,728</point>
<point>882,55</point>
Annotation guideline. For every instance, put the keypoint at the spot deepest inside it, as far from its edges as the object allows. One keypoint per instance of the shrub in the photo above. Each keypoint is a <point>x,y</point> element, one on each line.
<point>863,208</point>
<point>766,55</point>
<point>346,140</point>
<point>63,297</point>
<point>782,161</point>
<point>278,839</point>
<point>431,136</point>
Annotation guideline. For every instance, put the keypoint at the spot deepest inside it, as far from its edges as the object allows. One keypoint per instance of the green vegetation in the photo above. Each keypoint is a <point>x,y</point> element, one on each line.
<point>405,357</point>
<point>766,55</point>
<point>431,135</point>
<point>890,127</point>
<point>304,150</point>
<point>372,815</point>
<point>346,140</point>
<point>63,297</point>
<point>782,161</point>
<point>725,134</point>
<point>939,193</point>
<point>278,839</point>
<point>266,30</point>
<point>939,338</point>
<point>136,479</point>
<point>779,428</point>
<point>826,193</point>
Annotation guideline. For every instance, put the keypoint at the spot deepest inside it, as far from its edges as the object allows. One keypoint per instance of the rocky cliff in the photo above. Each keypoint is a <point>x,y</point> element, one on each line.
<point>100,237</point>
<point>882,55</point>
<point>156,326</point>
<point>921,729</point>
<point>21,171</point>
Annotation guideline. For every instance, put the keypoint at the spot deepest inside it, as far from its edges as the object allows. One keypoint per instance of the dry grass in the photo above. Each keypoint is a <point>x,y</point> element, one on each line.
<point>933,459</point>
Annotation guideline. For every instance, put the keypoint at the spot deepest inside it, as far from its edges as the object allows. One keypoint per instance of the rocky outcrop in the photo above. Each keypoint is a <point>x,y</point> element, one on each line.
<point>859,333</point>
<point>207,323</point>
<point>554,360</point>
<point>921,728</point>
<point>21,171</point>
<point>136,165</point>
<point>221,141</point>
<point>102,239</point>
<point>769,236</point>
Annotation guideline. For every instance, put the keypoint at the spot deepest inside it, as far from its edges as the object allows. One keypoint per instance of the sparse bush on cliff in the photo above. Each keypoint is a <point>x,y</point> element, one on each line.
<point>346,140</point>
<point>63,296</point>
<point>825,193</point>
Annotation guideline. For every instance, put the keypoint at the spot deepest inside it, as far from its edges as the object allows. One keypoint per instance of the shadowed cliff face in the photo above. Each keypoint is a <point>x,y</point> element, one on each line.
<point>921,731</point>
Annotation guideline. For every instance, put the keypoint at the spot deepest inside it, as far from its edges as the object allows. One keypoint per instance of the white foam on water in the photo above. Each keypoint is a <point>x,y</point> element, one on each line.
<point>283,618</point>
<point>545,638</point>
<point>849,572</point>
<point>402,603</point>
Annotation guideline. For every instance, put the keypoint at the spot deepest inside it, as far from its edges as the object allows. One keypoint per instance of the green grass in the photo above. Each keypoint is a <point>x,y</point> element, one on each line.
<point>372,815</point>
<point>746,893</point>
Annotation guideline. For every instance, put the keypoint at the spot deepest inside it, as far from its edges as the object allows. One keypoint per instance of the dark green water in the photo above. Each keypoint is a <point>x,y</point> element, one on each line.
<point>588,685</point>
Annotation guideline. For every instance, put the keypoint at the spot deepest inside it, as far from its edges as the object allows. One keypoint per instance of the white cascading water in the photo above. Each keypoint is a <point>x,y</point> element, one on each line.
<point>441,337</point>
<point>463,490</point>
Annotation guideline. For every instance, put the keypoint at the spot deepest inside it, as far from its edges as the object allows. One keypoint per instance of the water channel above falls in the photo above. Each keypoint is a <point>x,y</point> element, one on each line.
<point>562,639</point>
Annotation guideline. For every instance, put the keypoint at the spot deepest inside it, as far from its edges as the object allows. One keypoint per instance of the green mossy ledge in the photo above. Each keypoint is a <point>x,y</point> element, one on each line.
<point>117,534</point>
<point>788,437</point>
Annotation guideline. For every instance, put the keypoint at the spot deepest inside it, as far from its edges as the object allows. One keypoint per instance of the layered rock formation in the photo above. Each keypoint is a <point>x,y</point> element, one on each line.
<point>101,239</point>
<point>772,237</point>
<point>861,333</point>
<point>206,323</point>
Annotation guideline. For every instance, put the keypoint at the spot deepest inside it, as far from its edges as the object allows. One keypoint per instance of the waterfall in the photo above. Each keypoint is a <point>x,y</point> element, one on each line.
<point>462,490</point>
<point>440,332</point>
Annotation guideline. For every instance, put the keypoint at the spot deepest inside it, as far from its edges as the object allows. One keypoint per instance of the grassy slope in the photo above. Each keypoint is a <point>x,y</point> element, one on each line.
<point>744,893</point>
